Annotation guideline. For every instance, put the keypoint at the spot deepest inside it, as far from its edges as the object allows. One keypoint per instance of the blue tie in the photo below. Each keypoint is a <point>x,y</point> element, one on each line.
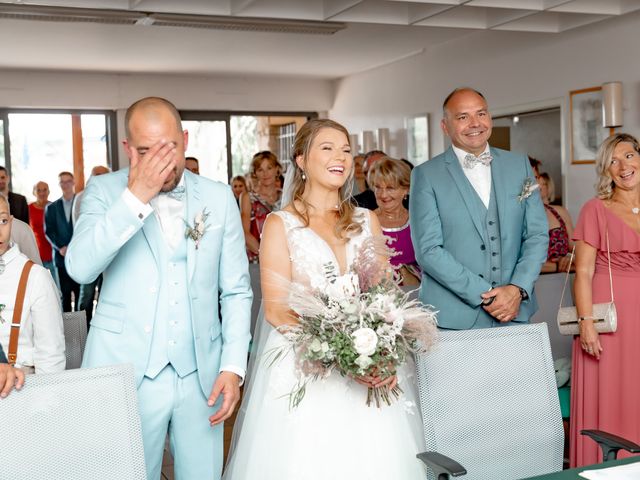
<point>177,193</point>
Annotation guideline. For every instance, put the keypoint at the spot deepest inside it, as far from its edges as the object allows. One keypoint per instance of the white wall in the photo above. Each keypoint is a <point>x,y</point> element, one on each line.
<point>46,89</point>
<point>511,69</point>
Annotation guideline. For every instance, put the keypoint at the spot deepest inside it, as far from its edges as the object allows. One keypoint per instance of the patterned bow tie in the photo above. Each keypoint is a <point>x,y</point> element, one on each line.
<point>177,193</point>
<point>470,160</point>
<point>2,265</point>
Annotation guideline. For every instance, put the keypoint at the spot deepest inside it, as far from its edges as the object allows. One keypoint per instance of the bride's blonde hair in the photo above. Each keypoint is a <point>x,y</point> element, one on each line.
<point>346,225</point>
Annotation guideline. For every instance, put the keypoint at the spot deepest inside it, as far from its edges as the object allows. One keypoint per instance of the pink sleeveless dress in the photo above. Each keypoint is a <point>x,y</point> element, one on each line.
<point>605,393</point>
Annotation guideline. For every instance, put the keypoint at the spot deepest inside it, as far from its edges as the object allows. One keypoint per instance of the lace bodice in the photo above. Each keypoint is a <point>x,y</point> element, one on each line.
<point>310,254</point>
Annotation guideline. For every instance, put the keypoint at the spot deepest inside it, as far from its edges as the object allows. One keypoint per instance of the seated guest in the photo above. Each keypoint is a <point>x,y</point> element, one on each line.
<point>560,228</point>
<point>36,221</point>
<point>264,199</point>
<point>390,179</point>
<point>10,377</point>
<point>17,202</point>
<point>22,235</point>
<point>367,198</point>
<point>40,346</point>
<point>238,186</point>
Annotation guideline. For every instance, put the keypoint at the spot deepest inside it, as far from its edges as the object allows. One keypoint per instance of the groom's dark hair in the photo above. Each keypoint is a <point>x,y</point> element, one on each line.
<point>457,90</point>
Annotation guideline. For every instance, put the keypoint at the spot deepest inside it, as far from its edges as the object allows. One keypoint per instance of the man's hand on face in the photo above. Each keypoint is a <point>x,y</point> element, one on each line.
<point>151,169</point>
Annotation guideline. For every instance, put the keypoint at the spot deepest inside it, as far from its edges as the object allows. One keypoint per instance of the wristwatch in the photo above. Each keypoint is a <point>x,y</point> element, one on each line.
<point>523,293</point>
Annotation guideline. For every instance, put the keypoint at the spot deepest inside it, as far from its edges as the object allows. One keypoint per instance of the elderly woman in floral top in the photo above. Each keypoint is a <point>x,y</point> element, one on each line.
<point>264,199</point>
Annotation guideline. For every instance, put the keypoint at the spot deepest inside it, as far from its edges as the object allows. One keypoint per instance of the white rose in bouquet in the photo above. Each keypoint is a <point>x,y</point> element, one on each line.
<point>315,345</point>
<point>365,341</point>
<point>363,362</point>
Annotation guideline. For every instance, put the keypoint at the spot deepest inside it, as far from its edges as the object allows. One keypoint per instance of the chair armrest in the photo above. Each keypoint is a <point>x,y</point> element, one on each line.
<point>443,467</point>
<point>610,444</point>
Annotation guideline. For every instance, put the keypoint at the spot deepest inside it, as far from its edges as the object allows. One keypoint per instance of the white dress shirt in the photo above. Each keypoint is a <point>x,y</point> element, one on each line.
<point>41,341</point>
<point>171,217</point>
<point>479,176</point>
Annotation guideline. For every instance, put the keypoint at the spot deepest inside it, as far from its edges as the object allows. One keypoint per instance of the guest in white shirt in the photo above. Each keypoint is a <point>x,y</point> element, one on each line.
<point>41,340</point>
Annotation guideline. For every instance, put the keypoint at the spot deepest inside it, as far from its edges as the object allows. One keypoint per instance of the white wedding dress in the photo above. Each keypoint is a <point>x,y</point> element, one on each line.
<point>332,434</point>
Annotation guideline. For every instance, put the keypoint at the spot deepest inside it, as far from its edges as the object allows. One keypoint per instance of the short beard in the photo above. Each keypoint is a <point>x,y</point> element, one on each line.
<point>174,184</point>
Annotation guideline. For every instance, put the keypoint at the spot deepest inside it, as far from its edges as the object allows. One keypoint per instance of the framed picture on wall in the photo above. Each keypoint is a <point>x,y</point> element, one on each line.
<point>587,132</point>
<point>417,138</point>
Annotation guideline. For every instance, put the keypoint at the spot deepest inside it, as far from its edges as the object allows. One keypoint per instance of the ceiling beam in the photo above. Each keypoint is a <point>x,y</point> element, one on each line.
<point>331,8</point>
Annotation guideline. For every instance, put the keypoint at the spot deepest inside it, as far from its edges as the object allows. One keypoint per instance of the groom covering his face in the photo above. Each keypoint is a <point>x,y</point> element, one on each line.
<point>477,223</point>
<point>159,305</point>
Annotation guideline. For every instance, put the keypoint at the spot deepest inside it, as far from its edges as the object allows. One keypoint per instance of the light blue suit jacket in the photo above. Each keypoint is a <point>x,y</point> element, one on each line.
<point>448,235</point>
<point>110,238</point>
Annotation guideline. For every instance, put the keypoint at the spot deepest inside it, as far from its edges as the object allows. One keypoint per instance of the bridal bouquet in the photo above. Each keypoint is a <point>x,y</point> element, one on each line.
<point>362,324</point>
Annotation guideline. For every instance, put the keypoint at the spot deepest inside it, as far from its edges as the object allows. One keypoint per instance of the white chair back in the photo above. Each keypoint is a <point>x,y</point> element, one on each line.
<point>489,401</point>
<point>75,425</point>
<point>75,337</point>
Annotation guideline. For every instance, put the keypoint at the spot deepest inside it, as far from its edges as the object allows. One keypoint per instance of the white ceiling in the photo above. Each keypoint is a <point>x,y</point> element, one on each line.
<point>128,35</point>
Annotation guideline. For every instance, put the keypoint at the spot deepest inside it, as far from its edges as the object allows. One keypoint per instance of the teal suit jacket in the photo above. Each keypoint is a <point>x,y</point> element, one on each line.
<point>448,236</point>
<point>110,238</point>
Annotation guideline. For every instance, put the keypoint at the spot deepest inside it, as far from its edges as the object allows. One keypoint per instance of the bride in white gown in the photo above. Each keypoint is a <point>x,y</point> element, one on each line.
<point>332,434</point>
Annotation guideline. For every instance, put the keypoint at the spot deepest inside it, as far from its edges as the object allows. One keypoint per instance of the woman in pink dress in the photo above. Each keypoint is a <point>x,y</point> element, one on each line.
<point>605,391</point>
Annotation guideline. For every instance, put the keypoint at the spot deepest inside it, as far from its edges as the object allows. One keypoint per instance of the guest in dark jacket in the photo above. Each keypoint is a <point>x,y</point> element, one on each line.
<point>17,202</point>
<point>58,227</point>
<point>367,199</point>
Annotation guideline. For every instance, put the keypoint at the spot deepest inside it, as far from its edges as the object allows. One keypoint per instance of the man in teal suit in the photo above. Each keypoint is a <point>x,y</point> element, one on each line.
<point>158,308</point>
<point>477,223</point>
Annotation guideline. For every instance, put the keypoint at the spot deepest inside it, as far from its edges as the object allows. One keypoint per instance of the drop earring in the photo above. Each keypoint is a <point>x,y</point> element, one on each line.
<point>304,177</point>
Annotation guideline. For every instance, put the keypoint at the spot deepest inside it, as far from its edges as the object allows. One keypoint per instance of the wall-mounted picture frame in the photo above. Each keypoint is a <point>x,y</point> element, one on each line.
<point>587,132</point>
<point>417,138</point>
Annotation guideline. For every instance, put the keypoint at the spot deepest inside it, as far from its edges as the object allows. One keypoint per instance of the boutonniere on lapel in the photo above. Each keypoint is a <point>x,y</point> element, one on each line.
<point>196,232</point>
<point>528,187</point>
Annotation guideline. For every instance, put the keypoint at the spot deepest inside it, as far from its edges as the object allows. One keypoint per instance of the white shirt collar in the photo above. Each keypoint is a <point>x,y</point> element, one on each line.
<point>460,154</point>
<point>11,254</point>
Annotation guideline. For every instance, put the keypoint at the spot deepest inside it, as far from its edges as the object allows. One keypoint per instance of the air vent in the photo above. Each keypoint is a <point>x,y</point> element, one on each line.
<point>66,14</point>
<point>247,24</point>
<point>143,19</point>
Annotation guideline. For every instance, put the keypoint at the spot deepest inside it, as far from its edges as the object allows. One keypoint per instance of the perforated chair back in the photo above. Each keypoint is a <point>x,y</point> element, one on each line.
<point>489,401</point>
<point>76,425</point>
<point>75,337</point>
